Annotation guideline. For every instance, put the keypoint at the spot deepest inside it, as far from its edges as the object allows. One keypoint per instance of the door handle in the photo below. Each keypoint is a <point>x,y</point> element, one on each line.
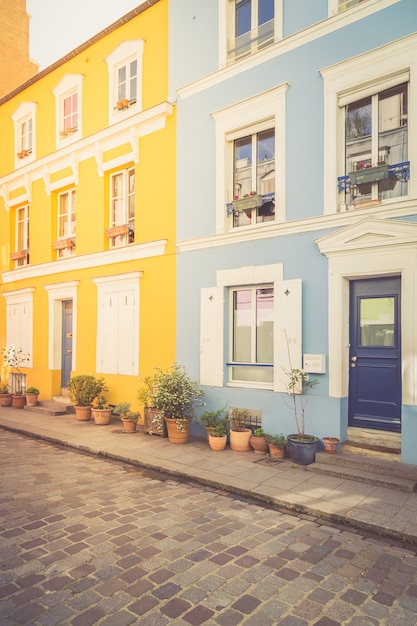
<point>354,358</point>
<point>69,351</point>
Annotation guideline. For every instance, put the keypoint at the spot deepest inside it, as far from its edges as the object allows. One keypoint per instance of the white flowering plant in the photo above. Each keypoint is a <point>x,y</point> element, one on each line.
<point>15,358</point>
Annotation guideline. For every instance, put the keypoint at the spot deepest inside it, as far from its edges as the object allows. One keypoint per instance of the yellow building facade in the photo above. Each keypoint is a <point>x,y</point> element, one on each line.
<point>87,211</point>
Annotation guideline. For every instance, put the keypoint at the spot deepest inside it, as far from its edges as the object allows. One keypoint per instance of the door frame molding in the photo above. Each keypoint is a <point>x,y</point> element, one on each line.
<point>56,294</point>
<point>370,248</point>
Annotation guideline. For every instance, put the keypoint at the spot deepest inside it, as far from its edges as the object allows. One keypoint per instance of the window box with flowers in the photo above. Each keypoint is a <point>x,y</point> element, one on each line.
<point>62,244</point>
<point>117,231</point>
<point>19,255</point>
<point>249,201</point>
<point>368,173</point>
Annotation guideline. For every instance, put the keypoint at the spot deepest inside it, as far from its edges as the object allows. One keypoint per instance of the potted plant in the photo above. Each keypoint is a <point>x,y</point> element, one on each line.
<point>101,411</point>
<point>258,441</point>
<point>240,433</point>
<point>217,436</point>
<point>32,394</point>
<point>331,444</point>
<point>153,422</point>
<point>248,201</point>
<point>15,358</point>
<point>82,391</point>
<point>369,173</point>
<point>5,395</point>
<point>129,418</point>
<point>277,445</point>
<point>174,394</point>
<point>211,419</point>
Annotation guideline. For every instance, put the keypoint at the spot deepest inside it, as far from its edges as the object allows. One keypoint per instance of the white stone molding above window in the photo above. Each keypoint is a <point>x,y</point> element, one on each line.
<point>363,75</point>
<point>24,120</point>
<point>239,120</point>
<point>68,106</point>
<point>125,80</point>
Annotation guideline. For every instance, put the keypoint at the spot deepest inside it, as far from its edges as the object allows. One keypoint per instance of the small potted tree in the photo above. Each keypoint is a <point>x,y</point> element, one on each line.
<point>217,435</point>
<point>211,419</point>
<point>82,391</point>
<point>129,418</point>
<point>101,411</point>
<point>240,433</point>
<point>15,358</point>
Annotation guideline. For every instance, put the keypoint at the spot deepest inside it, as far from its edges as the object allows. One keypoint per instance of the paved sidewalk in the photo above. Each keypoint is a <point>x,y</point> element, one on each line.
<point>382,510</point>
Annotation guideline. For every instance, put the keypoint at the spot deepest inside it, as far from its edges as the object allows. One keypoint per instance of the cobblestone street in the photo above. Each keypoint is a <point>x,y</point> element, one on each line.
<point>88,541</point>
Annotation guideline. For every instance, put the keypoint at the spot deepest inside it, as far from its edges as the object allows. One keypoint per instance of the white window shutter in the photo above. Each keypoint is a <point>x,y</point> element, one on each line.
<point>211,336</point>
<point>109,333</point>
<point>126,334</point>
<point>287,329</point>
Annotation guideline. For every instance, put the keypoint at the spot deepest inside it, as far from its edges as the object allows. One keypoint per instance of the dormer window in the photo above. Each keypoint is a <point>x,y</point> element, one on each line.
<point>125,80</point>
<point>68,99</point>
<point>24,126</point>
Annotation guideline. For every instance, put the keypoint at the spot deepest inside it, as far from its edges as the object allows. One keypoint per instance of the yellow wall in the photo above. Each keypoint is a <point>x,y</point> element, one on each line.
<point>154,210</point>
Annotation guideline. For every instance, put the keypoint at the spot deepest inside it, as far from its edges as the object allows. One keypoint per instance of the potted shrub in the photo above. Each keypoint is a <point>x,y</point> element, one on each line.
<point>174,395</point>
<point>211,419</point>
<point>277,445</point>
<point>217,435</point>
<point>129,418</point>
<point>5,395</point>
<point>15,358</point>
<point>82,391</point>
<point>258,441</point>
<point>153,422</point>
<point>32,394</point>
<point>101,411</point>
<point>240,433</point>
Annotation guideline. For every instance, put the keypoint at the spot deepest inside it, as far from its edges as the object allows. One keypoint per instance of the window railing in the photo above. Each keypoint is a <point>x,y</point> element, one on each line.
<point>252,41</point>
<point>401,171</point>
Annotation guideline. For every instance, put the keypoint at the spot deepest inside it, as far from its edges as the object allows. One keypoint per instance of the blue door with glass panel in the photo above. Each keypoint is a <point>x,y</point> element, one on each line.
<point>375,354</point>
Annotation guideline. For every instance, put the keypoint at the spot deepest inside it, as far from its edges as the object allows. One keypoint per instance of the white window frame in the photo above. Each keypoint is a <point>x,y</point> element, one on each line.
<point>266,110</point>
<point>119,337</point>
<point>71,84</point>
<point>121,239</point>
<point>65,244</point>
<point>123,55</point>
<point>370,72</point>
<point>24,151</point>
<point>213,325</point>
<point>19,320</point>
<point>226,12</point>
<point>357,6</point>
<point>22,246</point>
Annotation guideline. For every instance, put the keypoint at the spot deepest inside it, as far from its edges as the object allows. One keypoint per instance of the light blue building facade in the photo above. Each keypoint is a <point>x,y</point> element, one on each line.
<point>296,209</point>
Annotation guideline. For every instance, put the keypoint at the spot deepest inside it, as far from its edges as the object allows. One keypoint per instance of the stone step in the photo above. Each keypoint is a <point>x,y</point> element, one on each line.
<point>369,470</point>
<point>50,407</point>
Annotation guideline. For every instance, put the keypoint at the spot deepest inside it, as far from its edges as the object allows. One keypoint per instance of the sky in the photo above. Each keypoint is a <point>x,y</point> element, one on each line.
<point>59,26</point>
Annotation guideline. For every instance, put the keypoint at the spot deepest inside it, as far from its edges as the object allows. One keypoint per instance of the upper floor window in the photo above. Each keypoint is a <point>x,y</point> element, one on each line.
<point>376,137</point>
<point>65,244</point>
<point>254,178</point>
<point>122,208</point>
<point>68,98</point>
<point>250,140</point>
<point>24,132</point>
<point>343,5</point>
<point>125,76</point>
<point>251,26</point>
<point>21,254</point>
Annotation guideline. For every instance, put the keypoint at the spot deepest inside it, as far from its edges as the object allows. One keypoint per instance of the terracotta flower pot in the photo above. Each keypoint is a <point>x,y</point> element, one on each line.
<point>129,426</point>
<point>18,401</point>
<point>178,430</point>
<point>217,443</point>
<point>276,452</point>
<point>5,399</point>
<point>331,444</point>
<point>259,444</point>
<point>101,417</point>
<point>83,413</point>
<point>32,399</point>
<point>239,440</point>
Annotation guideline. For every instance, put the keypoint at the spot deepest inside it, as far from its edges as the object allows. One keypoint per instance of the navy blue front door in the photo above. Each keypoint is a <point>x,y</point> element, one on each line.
<point>375,354</point>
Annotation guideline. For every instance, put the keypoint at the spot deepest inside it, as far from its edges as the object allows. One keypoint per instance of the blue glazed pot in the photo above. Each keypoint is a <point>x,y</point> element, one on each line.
<point>303,451</point>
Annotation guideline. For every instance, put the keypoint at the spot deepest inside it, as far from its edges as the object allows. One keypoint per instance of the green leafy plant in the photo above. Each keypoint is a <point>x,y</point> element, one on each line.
<point>277,440</point>
<point>220,430</point>
<point>32,390</point>
<point>123,410</point>
<point>84,388</point>
<point>100,402</point>
<point>239,419</point>
<point>210,419</point>
<point>258,432</point>
<point>4,388</point>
